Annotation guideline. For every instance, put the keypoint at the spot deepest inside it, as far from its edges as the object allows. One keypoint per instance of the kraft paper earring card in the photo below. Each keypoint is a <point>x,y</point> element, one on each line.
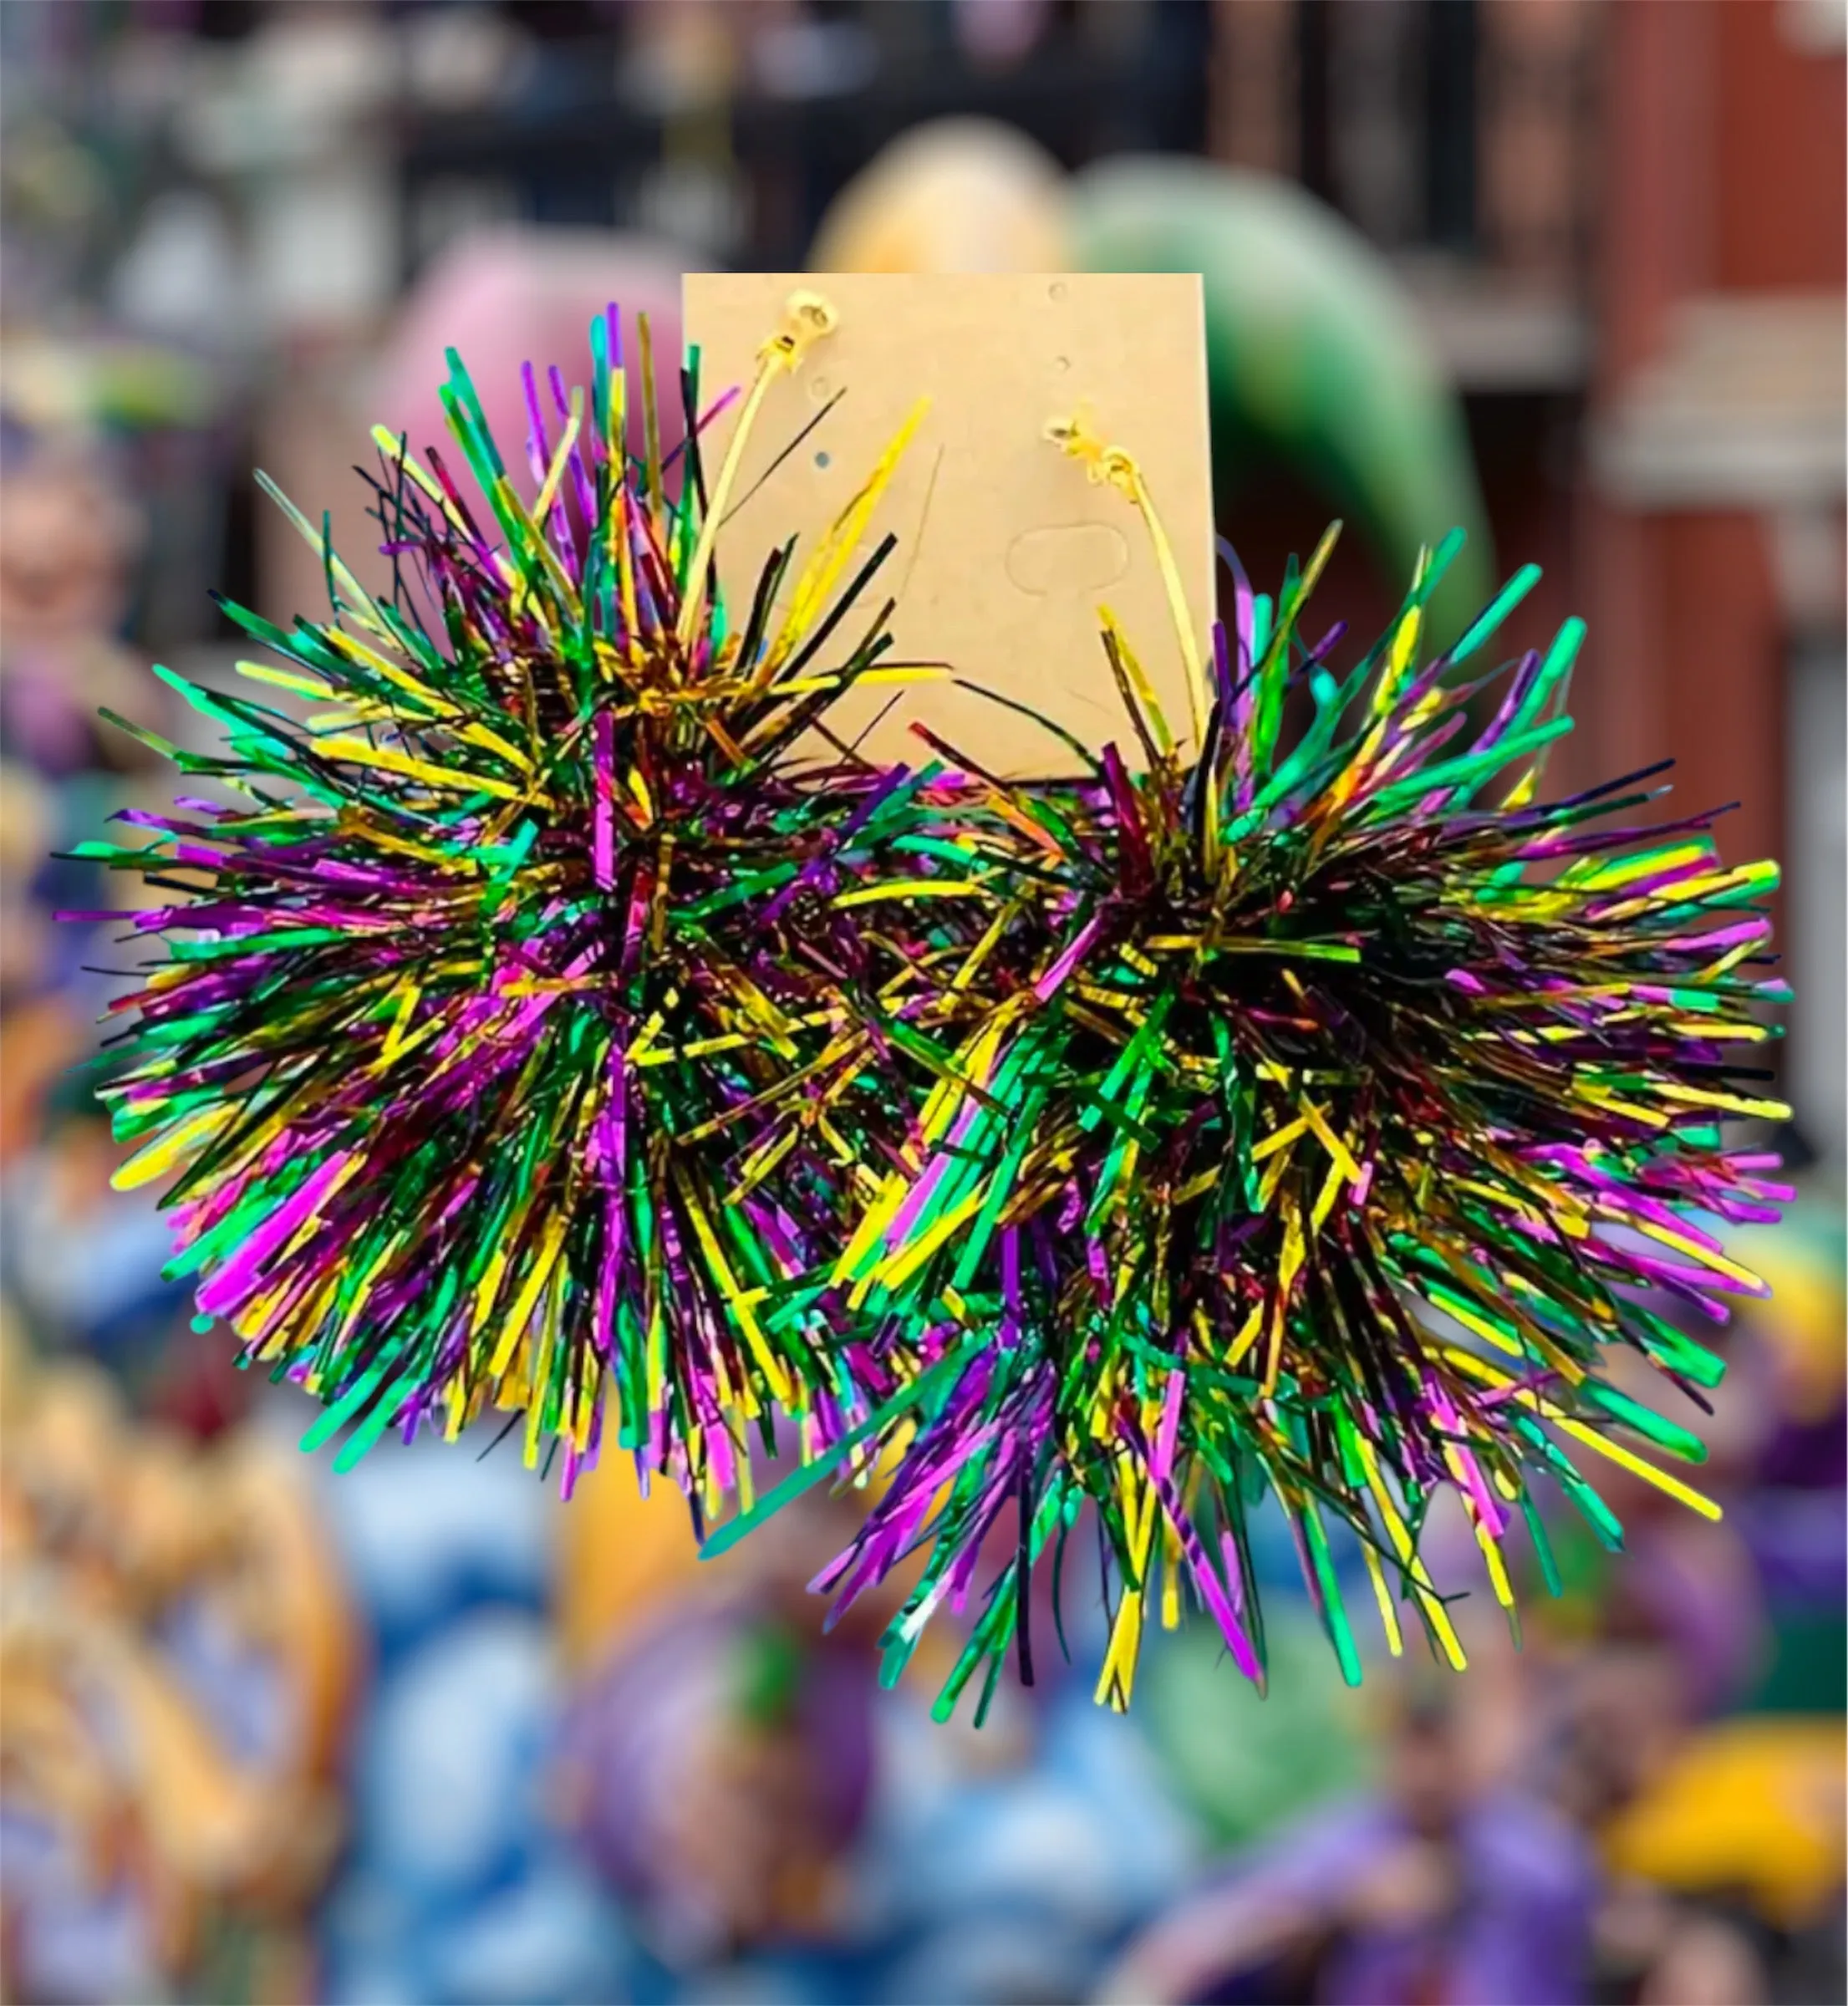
<point>1005,551</point>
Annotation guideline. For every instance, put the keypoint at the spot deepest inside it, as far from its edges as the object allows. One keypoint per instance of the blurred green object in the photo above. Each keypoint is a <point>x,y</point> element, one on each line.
<point>1315,356</point>
<point>1244,1765</point>
<point>769,1672</point>
<point>54,382</point>
<point>1809,1669</point>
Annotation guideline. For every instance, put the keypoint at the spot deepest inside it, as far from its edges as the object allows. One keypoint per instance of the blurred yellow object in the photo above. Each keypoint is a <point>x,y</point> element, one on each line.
<point>624,1558</point>
<point>41,1040</point>
<point>120,1541</point>
<point>1752,1805</point>
<point>622,1555</point>
<point>957,195</point>
<point>1802,1262</point>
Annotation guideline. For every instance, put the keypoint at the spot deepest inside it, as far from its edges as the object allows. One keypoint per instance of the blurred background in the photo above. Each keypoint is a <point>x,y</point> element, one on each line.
<point>1567,272</point>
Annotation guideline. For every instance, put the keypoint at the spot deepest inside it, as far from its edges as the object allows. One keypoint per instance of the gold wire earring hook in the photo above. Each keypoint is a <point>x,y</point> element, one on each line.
<point>807,318</point>
<point>1110,466</point>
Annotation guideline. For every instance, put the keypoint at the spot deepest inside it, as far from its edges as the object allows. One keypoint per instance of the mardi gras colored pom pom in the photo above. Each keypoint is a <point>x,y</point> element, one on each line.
<point>1316,1117</point>
<point>480,1039</point>
<point>1342,1108</point>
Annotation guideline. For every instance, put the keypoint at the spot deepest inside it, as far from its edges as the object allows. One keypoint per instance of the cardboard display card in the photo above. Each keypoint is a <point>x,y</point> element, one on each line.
<point>1007,549</point>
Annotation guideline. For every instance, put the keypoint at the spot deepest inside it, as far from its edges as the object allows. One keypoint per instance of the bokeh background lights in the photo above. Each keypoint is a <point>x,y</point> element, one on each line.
<point>1568,272</point>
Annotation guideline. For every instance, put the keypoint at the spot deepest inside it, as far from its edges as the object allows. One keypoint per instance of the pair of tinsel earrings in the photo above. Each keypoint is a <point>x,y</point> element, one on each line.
<point>548,1029</point>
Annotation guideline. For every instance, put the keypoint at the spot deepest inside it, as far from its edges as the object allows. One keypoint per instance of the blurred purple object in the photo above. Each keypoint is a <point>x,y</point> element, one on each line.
<point>1811,1455</point>
<point>41,718</point>
<point>1693,1586</point>
<point>1520,1931</point>
<point>1798,1541</point>
<point>1517,1934</point>
<point>667,1813</point>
